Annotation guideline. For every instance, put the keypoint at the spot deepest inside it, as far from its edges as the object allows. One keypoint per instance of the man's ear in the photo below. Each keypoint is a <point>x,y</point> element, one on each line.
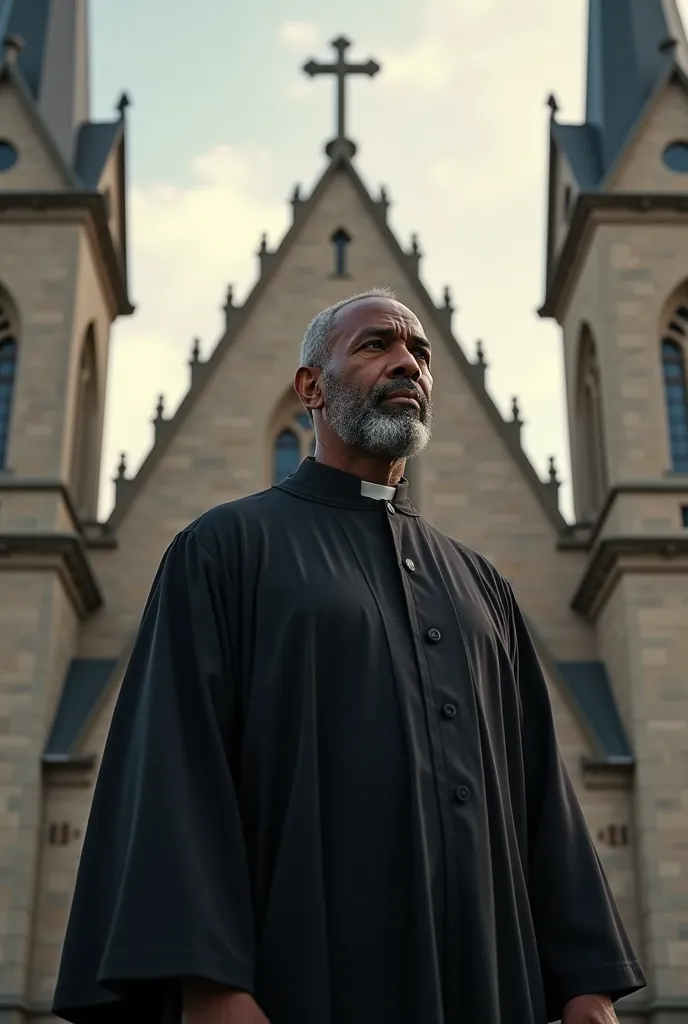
<point>308,386</point>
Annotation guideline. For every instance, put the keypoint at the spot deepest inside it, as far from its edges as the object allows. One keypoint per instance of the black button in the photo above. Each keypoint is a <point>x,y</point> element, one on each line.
<point>462,793</point>
<point>390,508</point>
<point>410,564</point>
<point>449,710</point>
<point>434,635</point>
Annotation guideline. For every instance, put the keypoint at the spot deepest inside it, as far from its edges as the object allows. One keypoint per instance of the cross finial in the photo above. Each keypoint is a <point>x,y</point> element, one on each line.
<point>340,145</point>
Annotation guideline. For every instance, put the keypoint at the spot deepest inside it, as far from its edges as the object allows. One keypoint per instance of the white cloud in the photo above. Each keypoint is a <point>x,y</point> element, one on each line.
<point>298,35</point>
<point>187,244</point>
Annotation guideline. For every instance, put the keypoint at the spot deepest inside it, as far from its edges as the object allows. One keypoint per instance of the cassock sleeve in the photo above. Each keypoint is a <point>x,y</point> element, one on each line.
<point>582,942</point>
<point>163,892</point>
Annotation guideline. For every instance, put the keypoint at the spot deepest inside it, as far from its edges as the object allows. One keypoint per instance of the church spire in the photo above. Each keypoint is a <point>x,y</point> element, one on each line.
<point>341,146</point>
<point>53,61</point>
<point>627,56</point>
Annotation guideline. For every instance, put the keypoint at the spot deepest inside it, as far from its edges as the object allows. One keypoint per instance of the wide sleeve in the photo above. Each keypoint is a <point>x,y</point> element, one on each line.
<point>583,945</point>
<point>162,892</point>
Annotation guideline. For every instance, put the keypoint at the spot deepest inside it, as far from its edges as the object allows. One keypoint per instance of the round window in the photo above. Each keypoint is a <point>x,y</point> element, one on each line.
<point>8,155</point>
<point>676,157</point>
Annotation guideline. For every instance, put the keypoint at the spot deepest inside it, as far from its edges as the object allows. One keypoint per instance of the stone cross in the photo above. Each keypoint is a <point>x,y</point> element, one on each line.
<point>341,69</point>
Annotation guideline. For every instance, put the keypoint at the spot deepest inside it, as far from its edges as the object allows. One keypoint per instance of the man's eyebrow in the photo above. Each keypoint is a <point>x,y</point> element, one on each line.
<point>386,334</point>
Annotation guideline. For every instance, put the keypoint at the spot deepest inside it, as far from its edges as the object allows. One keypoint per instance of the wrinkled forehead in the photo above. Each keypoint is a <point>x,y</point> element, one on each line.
<point>373,312</point>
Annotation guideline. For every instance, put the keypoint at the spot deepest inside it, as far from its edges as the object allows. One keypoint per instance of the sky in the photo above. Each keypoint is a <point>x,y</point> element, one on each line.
<point>224,123</point>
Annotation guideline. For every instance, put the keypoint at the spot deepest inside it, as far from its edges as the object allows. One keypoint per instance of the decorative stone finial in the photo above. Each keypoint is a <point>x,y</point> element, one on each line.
<point>12,46</point>
<point>447,298</point>
<point>414,254</point>
<point>553,104</point>
<point>480,365</point>
<point>516,421</point>
<point>263,244</point>
<point>551,485</point>
<point>123,104</point>
<point>159,423</point>
<point>229,301</point>
<point>195,362</point>
<point>122,467</point>
<point>383,202</point>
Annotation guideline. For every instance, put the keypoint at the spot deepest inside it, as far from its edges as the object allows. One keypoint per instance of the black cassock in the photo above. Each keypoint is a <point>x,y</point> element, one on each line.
<point>332,780</point>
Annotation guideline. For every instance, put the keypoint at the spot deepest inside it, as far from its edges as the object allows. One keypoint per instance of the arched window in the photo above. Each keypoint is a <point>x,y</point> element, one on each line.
<point>341,241</point>
<point>8,373</point>
<point>592,465</point>
<point>85,442</point>
<point>294,441</point>
<point>676,392</point>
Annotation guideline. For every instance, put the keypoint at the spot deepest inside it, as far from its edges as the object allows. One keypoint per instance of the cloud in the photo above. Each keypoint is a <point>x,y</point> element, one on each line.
<point>187,244</point>
<point>298,35</point>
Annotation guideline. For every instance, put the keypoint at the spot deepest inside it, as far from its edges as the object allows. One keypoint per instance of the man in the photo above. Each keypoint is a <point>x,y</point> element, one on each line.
<point>331,792</point>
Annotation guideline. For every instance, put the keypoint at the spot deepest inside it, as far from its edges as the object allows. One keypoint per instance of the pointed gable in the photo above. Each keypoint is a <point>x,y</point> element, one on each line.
<point>40,165</point>
<point>633,47</point>
<point>340,201</point>
<point>655,158</point>
<point>53,61</point>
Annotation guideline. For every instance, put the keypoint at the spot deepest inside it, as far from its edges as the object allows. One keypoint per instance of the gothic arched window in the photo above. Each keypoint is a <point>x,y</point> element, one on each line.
<point>85,441</point>
<point>676,395</point>
<point>341,241</point>
<point>8,374</point>
<point>592,471</point>
<point>294,441</point>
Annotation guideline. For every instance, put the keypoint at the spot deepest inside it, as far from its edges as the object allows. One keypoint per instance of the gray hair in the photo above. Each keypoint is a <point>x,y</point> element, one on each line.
<point>317,341</point>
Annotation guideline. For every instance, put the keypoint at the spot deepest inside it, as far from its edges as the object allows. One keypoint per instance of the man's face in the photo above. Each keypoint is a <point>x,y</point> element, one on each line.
<point>377,384</point>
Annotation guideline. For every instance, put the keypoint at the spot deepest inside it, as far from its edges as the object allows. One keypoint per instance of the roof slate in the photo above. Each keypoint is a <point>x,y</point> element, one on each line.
<point>85,684</point>
<point>589,686</point>
<point>626,62</point>
<point>95,142</point>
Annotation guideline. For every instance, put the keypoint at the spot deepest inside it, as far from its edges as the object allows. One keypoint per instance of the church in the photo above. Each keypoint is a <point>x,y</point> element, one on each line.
<point>606,596</point>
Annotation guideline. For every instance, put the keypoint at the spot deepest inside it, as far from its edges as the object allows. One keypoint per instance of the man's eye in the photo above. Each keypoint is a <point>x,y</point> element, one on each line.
<point>374,341</point>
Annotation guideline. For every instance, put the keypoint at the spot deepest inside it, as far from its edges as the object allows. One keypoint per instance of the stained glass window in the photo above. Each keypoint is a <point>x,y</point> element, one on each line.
<point>8,365</point>
<point>676,394</point>
<point>287,455</point>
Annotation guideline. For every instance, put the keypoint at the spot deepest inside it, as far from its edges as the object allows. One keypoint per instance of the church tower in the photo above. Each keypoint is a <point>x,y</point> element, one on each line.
<point>617,283</point>
<point>63,280</point>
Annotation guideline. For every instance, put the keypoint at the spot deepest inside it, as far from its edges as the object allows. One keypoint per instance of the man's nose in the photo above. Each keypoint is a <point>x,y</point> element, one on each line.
<point>405,365</point>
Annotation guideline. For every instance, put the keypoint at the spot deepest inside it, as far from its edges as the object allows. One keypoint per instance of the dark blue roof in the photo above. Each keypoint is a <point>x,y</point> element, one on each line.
<point>28,19</point>
<point>625,64</point>
<point>93,146</point>
<point>85,684</point>
<point>581,144</point>
<point>589,686</point>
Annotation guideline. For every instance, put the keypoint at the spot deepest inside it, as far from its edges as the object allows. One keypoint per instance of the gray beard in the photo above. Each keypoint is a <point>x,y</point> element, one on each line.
<point>356,416</point>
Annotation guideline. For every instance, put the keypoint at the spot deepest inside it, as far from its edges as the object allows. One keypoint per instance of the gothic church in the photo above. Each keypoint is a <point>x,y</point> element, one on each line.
<point>606,596</point>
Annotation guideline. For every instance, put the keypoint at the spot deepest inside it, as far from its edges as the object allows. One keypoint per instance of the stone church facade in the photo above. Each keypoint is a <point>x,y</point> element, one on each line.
<point>606,596</point>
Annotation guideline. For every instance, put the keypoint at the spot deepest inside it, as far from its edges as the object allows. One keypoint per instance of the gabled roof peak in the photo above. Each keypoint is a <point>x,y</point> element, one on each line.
<point>633,47</point>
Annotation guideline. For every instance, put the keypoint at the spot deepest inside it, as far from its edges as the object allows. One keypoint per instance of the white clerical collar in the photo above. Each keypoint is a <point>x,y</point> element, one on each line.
<point>379,491</point>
